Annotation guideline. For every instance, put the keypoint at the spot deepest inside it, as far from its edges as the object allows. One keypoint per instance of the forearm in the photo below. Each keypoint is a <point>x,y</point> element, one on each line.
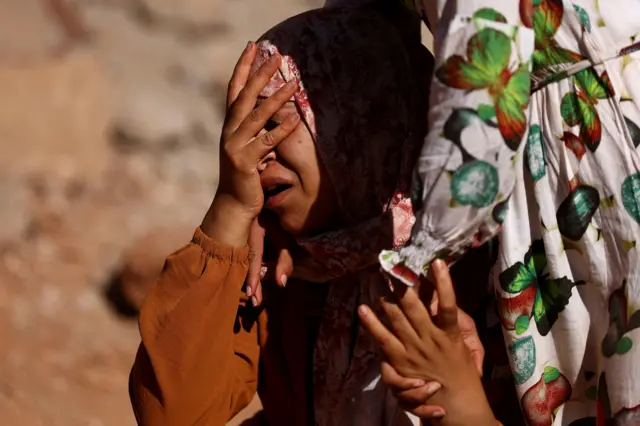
<point>192,368</point>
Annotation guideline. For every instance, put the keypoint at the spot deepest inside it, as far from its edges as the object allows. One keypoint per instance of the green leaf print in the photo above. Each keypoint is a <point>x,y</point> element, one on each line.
<point>523,355</point>
<point>547,18</point>
<point>553,55</point>
<point>594,86</point>
<point>577,110</point>
<point>583,16</point>
<point>553,295</point>
<point>486,112</point>
<point>532,293</point>
<point>486,66</point>
<point>534,153</point>
<point>624,345</point>
<point>521,275</point>
<point>488,54</point>
<point>475,184</point>
<point>522,324</point>
<point>576,211</point>
<point>550,374</point>
<point>630,192</point>
<point>489,14</point>
<point>510,107</point>
<point>573,108</point>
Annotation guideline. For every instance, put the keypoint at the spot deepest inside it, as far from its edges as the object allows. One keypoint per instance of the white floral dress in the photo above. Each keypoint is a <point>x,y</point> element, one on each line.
<point>535,127</point>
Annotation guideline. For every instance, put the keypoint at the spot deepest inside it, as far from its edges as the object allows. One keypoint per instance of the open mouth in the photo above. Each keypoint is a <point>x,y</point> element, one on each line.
<point>275,190</point>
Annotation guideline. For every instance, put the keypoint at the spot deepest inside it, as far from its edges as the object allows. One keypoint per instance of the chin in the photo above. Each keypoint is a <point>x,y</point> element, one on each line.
<point>292,225</point>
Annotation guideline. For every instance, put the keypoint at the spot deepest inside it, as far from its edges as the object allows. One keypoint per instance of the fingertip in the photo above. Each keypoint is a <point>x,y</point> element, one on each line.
<point>363,310</point>
<point>249,291</point>
<point>432,387</point>
<point>283,280</point>
<point>418,383</point>
<point>293,118</point>
<point>439,266</point>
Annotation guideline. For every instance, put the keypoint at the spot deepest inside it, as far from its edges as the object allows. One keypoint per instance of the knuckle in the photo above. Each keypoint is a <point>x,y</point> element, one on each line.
<point>255,115</point>
<point>232,86</point>
<point>269,139</point>
<point>236,162</point>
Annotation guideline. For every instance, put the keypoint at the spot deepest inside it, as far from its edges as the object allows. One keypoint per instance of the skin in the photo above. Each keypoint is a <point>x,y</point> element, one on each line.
<point>263,138</point>
<point>429,350</point>
<point>311,204</point>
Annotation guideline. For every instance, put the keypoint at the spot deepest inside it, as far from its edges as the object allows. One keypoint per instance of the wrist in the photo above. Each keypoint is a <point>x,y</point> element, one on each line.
<point>227,222</point>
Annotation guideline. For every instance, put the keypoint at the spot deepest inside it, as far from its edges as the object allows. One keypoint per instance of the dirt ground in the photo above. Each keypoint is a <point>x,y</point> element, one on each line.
<point>109,124</point>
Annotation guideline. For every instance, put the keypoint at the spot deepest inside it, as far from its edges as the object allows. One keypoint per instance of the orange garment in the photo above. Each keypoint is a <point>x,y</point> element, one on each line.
<point>202,343</point>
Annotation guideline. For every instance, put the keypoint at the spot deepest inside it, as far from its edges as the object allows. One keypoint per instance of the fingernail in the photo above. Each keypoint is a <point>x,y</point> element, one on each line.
<point>433,388</point>
<point>249,291</point>
<point>418,383</point>
<point>283,280</point>
<point>254,301</point>
<point>439,264</point>
<point>249,46</point>
<point>438,414</point>
<point>291,83</point>
<point>274,59</point>
<point>363,310</point>
<point>294,117</point>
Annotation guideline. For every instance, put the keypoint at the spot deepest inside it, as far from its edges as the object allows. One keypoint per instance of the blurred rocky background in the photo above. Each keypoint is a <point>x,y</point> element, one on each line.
<point>110,112</point>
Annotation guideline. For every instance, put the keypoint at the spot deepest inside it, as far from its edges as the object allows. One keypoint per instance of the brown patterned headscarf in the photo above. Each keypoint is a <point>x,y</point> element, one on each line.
<point>363,91</point>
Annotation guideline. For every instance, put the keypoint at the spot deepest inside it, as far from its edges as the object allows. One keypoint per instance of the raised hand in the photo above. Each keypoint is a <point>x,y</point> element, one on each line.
<point>243,145</point>
<point>432,351</point>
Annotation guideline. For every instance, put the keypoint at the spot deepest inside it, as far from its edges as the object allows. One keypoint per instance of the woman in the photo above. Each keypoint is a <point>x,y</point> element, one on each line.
<point>534,129</point>
<point>338,125</point>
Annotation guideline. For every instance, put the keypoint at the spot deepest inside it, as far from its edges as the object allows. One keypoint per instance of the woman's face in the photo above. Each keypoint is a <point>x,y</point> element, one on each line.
<point>296,184</point>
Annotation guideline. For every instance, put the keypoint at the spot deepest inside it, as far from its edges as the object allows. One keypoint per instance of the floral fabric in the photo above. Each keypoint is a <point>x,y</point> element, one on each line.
<point>534,132</point>
<point>363,95</point>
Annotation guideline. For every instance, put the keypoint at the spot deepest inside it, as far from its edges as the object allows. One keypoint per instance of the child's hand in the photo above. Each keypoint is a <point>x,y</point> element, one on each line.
<point>420,349</point>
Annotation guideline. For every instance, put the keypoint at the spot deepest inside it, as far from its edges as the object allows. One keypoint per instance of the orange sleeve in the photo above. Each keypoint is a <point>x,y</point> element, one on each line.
<point>198,360</point>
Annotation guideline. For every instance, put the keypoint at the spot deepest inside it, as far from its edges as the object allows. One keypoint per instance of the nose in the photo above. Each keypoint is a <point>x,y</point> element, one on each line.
<point>271,156</point>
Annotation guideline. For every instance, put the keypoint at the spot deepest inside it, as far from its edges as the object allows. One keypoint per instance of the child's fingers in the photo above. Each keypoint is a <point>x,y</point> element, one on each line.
<point>414,310</point>
<point>395,381</point>
<point>471,339</point>
<point>427,412</point>
<point>447,318</point>
<point>409,392</point>
<point>400,324</point>
<point>390,345</point>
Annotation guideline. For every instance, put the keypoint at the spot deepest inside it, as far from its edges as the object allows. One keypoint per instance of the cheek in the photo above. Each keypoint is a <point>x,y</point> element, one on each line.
<point>298,151</point>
